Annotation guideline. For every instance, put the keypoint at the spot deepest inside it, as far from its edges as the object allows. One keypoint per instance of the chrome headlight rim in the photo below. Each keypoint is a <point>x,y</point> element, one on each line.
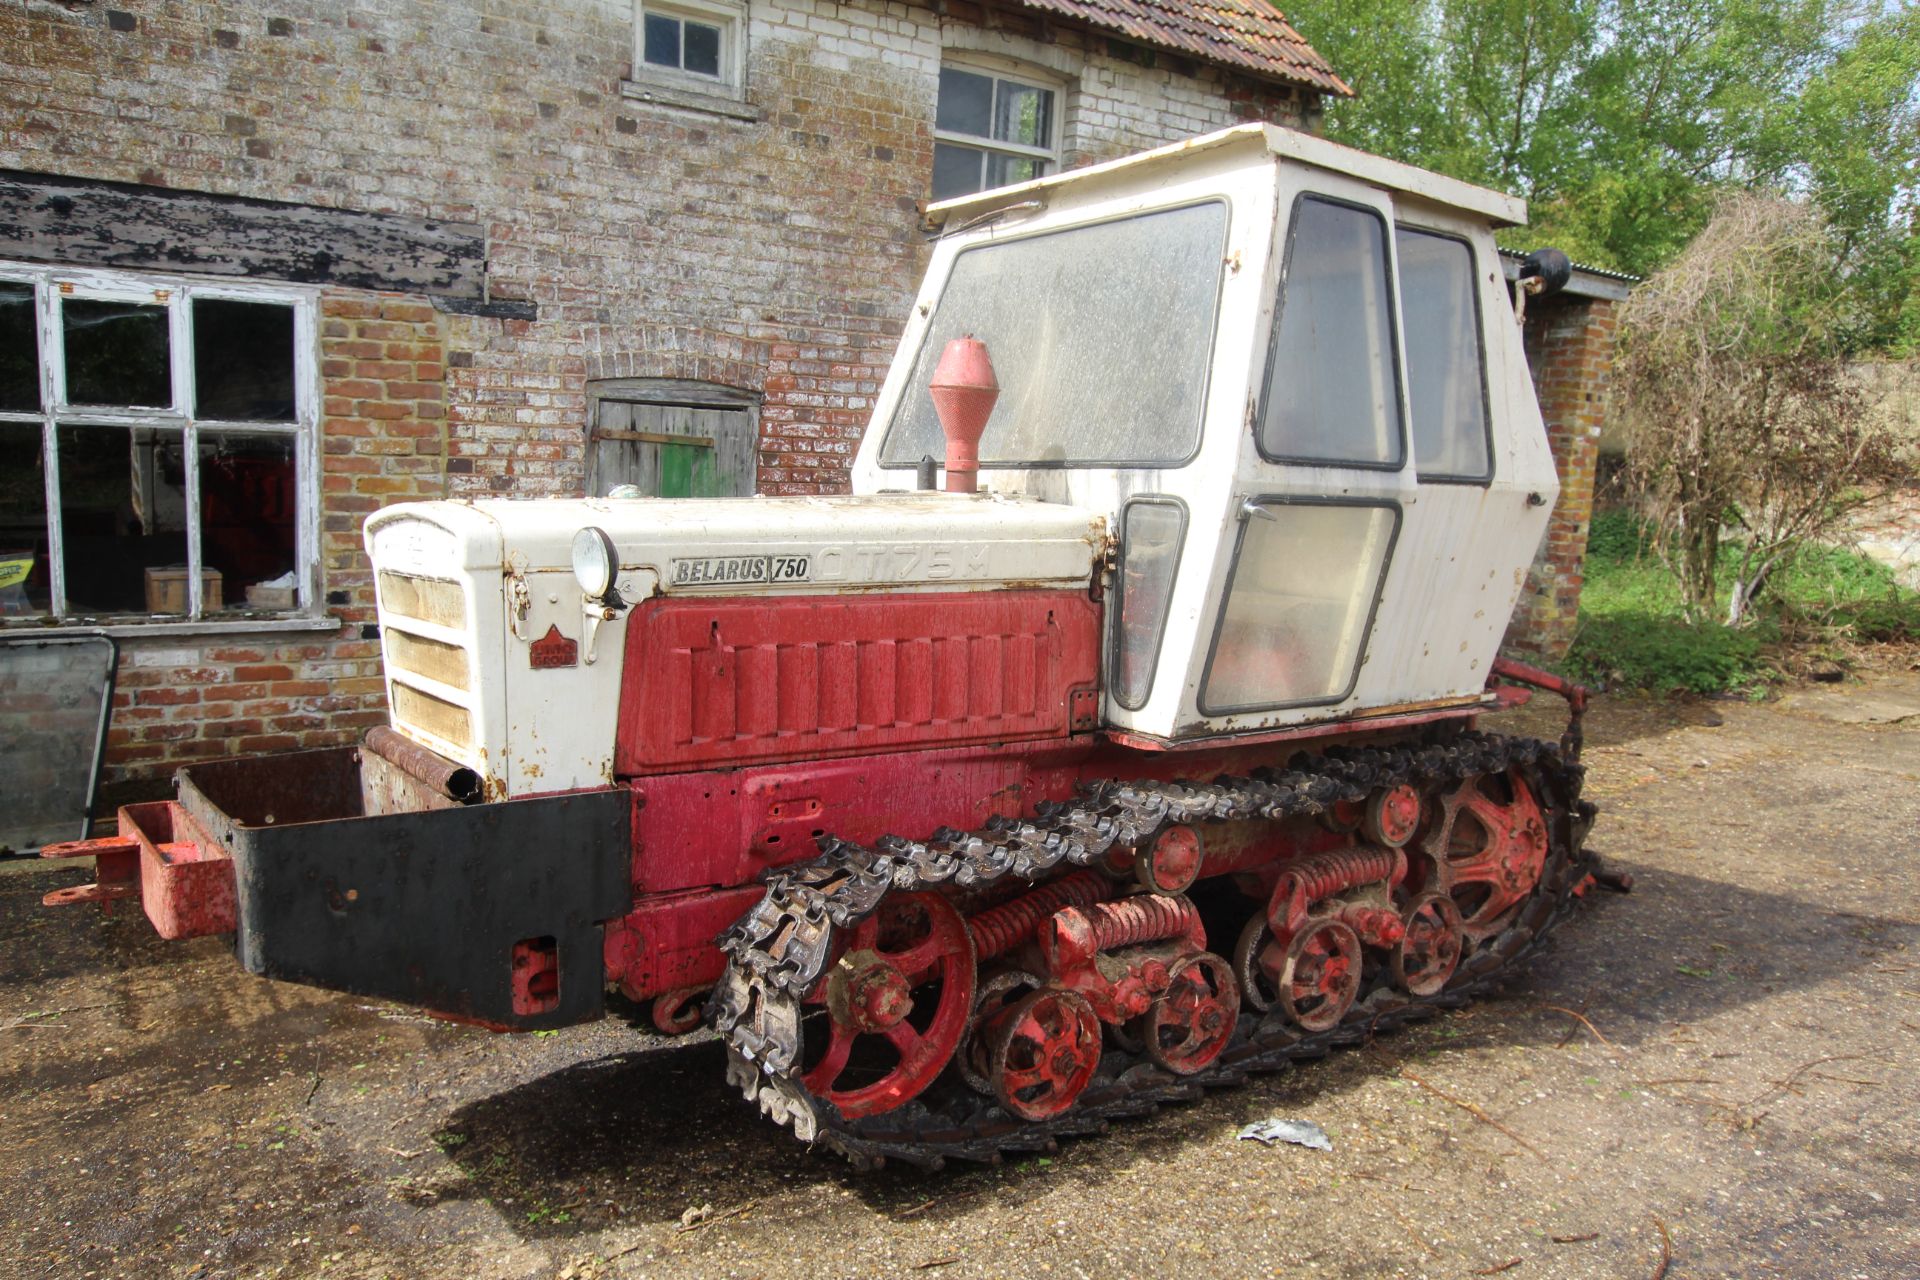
<point>595,561</point>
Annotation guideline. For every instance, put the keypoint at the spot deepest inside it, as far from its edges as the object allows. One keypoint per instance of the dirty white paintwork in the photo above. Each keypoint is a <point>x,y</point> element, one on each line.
<point>1463,549</point>
<point>552,729</point>
<point>1449,588</point>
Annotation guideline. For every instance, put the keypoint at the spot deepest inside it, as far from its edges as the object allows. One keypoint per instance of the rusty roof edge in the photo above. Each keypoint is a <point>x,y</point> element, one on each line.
<point>1319,78</point>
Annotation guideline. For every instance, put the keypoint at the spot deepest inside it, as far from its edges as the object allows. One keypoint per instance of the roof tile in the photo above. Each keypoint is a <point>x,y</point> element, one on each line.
<point>1248,34</point>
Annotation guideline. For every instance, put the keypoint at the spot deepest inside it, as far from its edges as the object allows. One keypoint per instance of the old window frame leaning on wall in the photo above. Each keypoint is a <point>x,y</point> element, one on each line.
<point>954,142</point>
<point>728,20</point>
<point>178,426</point>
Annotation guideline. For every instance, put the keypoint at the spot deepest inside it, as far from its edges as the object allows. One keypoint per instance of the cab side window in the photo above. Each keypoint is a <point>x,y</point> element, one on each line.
<point>1331,396</point>
<point>1446,369</point>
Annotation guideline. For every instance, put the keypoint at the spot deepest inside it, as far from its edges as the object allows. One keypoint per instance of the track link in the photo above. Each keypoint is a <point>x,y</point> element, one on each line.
<point>780,949</point>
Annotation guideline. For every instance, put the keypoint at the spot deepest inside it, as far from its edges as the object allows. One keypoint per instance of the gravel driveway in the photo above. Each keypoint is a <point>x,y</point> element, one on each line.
<point>1716,1071</point>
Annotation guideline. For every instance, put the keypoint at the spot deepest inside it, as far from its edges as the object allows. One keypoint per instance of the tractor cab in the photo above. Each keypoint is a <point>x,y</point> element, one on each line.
<point>1289,375</point>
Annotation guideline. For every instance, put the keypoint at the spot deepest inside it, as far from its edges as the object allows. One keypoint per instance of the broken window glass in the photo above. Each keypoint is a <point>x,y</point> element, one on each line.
<point>249,506</point>
<point>123,519</point>
<point>19,350</point>
<point>24,589</point>
<point>243,360</point>
<point>118,353</point>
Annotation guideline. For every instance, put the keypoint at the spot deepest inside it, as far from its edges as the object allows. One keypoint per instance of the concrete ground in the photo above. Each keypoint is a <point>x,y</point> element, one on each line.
<point>1713,1076</point>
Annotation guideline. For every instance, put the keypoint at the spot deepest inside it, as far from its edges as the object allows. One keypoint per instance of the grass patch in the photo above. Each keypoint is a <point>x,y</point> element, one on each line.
<point>1634,633</point>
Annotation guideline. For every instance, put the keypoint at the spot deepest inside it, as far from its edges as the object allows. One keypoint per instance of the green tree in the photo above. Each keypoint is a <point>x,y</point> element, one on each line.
<point>1622,120</point>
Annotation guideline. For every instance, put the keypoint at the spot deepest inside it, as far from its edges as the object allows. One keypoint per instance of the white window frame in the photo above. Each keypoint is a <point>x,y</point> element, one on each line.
<point>1014,73</point>
<point>52,286</point>
<point>729,85</point>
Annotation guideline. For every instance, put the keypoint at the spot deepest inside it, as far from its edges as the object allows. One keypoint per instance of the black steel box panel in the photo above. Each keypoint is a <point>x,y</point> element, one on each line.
<point>421,908</point>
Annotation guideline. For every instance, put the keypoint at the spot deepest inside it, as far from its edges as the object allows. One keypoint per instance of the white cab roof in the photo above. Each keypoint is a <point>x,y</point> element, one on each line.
<point>1288,144</point>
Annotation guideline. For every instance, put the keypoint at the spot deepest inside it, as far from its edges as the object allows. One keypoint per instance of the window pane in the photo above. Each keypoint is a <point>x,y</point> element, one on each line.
<point>956,171</point>
<point>1150,552</point>
<point>1330,391</point>
<point>117,353</point>
<point>1024,114</point>
<point>23,521</point>
<point>1004,171</point>
<point>1446,387</point>
<point>19,350</point>
<point>243,360</point>
<point>248,502</point>
<point>1089,372</point>
<point>703,48</point>
<point>1298,607</point>
<point>966,102</point>
<point>662,41</point>
<point>123,503</point>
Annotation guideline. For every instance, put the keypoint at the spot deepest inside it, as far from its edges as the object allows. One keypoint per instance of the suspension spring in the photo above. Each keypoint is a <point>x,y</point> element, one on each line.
<point>1002,928</point>
<point>1336,870</point>
<point>1079,934</point>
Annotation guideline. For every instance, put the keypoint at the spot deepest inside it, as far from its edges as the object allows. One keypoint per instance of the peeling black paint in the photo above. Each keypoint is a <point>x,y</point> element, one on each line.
<point>79,222</point>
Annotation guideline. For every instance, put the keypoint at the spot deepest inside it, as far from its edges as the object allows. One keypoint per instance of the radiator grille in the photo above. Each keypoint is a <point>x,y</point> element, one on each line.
<point>435,659</point>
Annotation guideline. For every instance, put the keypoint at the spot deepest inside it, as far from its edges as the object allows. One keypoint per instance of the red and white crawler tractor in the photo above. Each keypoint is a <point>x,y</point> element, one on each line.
<point>1140,756</point>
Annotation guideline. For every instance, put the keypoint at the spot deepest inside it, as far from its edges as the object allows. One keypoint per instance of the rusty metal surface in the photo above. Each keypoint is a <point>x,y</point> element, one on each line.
<point>454,781</point>
<point>387,788</point>
<point>1248,34</point>
<point>182,877</point>
<point>424,908</point>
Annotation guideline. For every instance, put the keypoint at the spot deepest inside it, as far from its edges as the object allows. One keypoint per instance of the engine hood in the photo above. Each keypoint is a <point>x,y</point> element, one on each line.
<point>733,546</point>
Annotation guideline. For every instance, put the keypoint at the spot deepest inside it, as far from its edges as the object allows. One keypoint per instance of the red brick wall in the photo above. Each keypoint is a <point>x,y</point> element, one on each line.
<point>1569,344</point>
<point>776,254</point>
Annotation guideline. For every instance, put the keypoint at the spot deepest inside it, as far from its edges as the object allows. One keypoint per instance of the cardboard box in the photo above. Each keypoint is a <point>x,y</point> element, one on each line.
<point>262,596</point>
<point>167,589</point>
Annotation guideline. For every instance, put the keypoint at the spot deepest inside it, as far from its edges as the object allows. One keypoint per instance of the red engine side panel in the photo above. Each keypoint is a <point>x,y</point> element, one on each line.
<point>732,682</point>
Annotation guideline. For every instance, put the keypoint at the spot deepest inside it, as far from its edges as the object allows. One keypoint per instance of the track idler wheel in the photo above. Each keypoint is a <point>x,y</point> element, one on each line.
<point>1392,815</point>
<point>1321,976</point>
<point>1185,1029</point>
<point>1042,1052</point>
<point>1430,950</point>
<point>905,979</point>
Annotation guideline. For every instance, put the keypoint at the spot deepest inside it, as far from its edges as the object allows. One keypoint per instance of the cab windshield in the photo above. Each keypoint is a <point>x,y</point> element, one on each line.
<point>1100,337</point>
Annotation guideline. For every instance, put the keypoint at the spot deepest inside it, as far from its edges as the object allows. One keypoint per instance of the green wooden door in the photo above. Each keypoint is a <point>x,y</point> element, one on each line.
<point>672,450</point>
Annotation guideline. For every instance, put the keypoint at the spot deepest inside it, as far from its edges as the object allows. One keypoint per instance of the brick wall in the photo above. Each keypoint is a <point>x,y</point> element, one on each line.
<point>1569,343</point>
<point>777,254</point>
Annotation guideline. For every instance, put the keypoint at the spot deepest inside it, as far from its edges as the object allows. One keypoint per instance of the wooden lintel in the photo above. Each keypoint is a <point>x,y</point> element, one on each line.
<point>87,223</point>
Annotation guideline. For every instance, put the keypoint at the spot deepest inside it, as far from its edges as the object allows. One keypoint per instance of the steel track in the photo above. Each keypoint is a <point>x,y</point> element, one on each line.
<point>781,948</point>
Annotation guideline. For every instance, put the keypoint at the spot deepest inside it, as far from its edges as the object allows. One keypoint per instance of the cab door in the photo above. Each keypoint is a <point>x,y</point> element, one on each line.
<point>1326,476</point>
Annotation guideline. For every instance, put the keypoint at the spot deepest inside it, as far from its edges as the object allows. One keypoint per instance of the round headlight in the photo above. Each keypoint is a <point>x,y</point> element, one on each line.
<point>594,561</point>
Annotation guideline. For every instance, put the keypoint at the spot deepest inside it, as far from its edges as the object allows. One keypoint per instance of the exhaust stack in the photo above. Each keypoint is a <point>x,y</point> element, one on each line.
<point>964,390</point>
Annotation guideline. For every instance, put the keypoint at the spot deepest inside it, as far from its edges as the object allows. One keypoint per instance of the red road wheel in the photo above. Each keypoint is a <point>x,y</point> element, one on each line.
<point>897,1003</point>
<point>1173,863</point>
<point>1186,1028</point>
<point>996,995</point>
<point>1392,816</point>
<point>1042,1051</point>
<point>1321,976</point>
<point>1428,954</point>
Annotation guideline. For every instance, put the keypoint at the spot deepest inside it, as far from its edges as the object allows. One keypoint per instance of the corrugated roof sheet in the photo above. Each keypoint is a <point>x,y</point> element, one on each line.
<point>1249,34</point>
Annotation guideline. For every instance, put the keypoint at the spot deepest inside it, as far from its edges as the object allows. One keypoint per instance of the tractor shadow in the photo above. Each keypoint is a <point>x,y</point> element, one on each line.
<point>657,1131</point>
